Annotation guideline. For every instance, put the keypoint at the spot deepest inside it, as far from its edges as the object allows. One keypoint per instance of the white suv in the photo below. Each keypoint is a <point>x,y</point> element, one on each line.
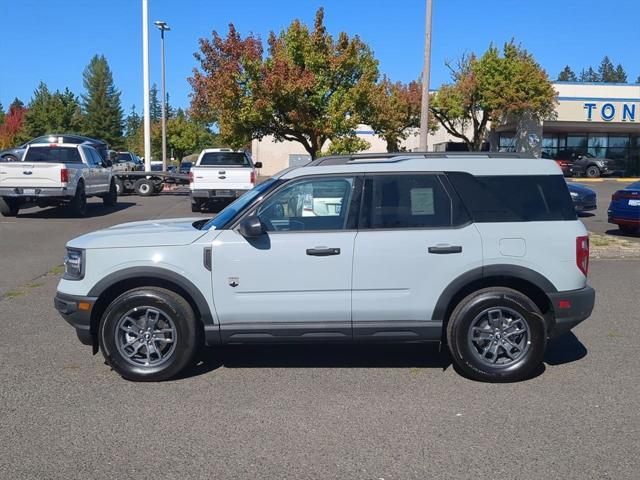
<point>481,251</point>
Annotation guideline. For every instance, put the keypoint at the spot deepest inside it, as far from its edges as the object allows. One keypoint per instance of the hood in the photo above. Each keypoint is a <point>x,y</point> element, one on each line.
<point>580,189</point>
<point>156,233</point>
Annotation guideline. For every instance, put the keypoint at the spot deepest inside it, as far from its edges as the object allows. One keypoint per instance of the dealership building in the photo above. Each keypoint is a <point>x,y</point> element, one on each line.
<point>601,119</point>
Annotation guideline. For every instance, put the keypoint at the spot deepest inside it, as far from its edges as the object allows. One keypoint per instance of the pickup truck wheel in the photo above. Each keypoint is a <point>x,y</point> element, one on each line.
<point>9,207</point>
<point>496,335</point>
<point>149,334</point>
<point>144,187</point>
<point>592,171</point>
<point>111,198</point>
<point>196,205</point>
<point>79,203</point>
<point>119,186</point>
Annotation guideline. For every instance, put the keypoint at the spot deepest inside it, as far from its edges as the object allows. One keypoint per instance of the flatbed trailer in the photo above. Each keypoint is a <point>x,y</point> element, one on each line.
<point>146,184</point>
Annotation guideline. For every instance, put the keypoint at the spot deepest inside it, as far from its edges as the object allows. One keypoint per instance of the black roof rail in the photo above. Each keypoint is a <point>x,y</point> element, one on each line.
<point>400,156</point>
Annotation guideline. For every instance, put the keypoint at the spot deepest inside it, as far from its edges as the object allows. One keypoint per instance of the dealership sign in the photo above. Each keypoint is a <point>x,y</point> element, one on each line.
<point>609,112</point>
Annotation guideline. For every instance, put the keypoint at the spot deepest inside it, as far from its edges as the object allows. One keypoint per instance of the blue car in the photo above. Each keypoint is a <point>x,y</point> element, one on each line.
<point>624,209</point>
<point>583,198</point>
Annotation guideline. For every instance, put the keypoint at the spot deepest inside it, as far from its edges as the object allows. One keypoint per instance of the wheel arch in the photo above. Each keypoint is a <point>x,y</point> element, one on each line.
<point>115,284</point>
<point>527,281</point>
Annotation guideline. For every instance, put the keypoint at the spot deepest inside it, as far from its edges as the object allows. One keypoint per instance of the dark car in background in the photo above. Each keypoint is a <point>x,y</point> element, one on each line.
<point>584,199</point>
<point>185,167</point>
<point>16,154</point>
<point>565,165</point>
<point>624,209</point>
<point>590,166</point>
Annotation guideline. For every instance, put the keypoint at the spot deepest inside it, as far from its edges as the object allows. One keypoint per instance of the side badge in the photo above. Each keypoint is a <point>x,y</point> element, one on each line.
<point>234,281</point>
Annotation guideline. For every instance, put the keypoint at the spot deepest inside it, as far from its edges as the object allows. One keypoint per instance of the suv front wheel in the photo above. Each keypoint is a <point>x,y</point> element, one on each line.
<point>496,335</point>
<point>149,334</point>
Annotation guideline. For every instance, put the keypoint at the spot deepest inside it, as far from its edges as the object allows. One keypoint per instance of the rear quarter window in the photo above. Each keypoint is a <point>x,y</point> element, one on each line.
<point>514,198</point>
<point>227,159</point>
<point>53,155</point>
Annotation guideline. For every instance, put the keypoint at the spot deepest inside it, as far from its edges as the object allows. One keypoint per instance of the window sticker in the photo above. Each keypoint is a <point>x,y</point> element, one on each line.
<point>422,201</point>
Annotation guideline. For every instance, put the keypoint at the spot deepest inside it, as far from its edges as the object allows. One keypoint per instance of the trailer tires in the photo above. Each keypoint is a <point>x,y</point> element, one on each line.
<point>144,187</point>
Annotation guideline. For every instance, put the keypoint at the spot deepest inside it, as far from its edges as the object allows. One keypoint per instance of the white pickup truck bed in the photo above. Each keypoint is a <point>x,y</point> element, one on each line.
<point>220,174</point>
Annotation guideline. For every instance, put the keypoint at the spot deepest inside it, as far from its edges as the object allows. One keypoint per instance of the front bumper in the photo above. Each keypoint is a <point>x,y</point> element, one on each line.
<point>570,308</point>
<point>19,192</point>
<point>76,310</point>
<point>582,206</point>
<point>222,193</point>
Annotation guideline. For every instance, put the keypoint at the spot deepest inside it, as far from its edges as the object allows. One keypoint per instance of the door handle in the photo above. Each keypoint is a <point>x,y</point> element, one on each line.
<point>444,249</point>
<point>323,251</point>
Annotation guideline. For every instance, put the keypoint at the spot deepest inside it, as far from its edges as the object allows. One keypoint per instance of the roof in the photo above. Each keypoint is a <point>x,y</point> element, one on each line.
<point>476,163</point>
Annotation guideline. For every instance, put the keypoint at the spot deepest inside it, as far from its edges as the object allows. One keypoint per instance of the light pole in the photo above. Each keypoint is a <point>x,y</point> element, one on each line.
<point>145,86</point>
<point>424,110</point>
<point>163,27</point>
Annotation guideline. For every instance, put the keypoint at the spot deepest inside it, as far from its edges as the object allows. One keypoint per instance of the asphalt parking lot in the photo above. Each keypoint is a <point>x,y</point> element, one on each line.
<point>392,412</point>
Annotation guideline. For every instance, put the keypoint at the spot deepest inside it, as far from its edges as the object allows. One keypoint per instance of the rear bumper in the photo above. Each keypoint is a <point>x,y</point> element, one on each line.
<point>571,308</point>
<point>19,192</point>
<point>76,315</point>
<point>624,221</point>
<point>222,193</point>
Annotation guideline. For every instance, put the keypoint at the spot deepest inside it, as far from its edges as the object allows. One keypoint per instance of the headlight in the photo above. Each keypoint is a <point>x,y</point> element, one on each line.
<point>74,264</point>
<point>574,194</point>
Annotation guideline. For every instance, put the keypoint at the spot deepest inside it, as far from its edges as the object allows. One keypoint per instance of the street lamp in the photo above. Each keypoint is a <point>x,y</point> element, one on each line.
<point>163,27</point>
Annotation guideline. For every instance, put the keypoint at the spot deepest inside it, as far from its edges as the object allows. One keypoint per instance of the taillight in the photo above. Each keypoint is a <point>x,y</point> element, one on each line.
<point>64,175</point>
<point>582,254</point>
<point>190,177</point>
<point>252,178</point>
<point>621,194</point>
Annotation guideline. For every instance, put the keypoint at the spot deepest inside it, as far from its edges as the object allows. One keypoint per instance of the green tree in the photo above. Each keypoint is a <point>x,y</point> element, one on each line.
<point>395,111</point>
<point>620,75</point>
<point>347,144</point>
<point>309,88</point>
<point>101,102</point>
<point>606,71</point>
<point>589,75</point>
<point>155,108</point>
<point>186,136</point>
<point>567,75</point>
<point>57,112</point>
<point>492,88</point>
<point>132,124</point>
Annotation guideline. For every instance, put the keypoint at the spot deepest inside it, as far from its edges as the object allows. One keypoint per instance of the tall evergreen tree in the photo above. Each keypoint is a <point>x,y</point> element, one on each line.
<point>132,126</point>
<point>57,112</point>
<point>620,75</point>
<point>638,79</point>
<point>155,108</point>
<point>606,70</point>
<point>567,75</point>
<point>168,110</point>
<point>101,102</point>
<point>589,75</point>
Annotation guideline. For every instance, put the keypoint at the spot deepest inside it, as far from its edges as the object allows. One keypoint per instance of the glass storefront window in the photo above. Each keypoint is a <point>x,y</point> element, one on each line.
<point>619,141</point>
<point>598,145</point>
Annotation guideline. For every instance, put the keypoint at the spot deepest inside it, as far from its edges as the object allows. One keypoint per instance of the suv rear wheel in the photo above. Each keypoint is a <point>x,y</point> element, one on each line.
<point>497,335</point>
<point>79,202</point>
<point>111,198</point>
<point>149,334</point>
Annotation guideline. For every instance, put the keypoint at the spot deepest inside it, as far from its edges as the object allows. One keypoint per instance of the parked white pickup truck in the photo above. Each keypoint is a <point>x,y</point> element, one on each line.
<point>56,174</point>
<point>220,174</point>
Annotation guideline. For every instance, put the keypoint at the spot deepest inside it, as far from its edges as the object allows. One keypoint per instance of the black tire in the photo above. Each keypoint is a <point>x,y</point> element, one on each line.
<point>79,203</point>
<point>196,205</point>
<point>10,158</point>
<point>629,229</point>
<point>158,188</point>
<point>119,186</point>
<point>9,207</point>
<point>180,352</point>
<point>111,198</point>
<point>592,171</point>
<point>467,356</point>
<point>144,187</point>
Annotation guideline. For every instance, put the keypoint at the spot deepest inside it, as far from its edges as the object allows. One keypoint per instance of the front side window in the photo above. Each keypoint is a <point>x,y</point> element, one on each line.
<point>409,201</point>
<point>308,205</point>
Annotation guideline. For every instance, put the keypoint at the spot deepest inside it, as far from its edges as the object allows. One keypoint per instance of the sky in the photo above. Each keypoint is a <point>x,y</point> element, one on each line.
<point>53,40</point>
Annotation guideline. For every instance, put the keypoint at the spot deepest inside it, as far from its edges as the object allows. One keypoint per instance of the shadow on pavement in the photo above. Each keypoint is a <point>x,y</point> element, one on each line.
<point>93,210</point>
<point>615,232</point>
<point>564,349</point>
<point>413,355</point>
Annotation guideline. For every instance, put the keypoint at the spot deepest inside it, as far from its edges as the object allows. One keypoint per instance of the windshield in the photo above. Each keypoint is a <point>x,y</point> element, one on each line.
<point>240,204</point>
<point>227,159</point>
<point>123,157</point>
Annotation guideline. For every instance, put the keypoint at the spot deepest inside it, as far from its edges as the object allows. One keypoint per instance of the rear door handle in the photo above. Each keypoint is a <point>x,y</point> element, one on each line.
<point>323,251</point>
<point>444,249</point>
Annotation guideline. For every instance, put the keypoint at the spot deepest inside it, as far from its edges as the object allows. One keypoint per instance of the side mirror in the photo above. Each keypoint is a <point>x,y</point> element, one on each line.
<point>251,227</point>
<point>258,164</point>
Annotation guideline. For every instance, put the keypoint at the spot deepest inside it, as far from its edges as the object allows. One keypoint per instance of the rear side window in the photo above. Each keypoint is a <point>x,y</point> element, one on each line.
<point>409,201</point>
<point>53,155</point>
<point>226,159</point>
<point>514,198</point>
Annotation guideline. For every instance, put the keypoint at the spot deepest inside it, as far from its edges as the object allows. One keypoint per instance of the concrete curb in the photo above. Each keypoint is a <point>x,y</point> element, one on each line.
<point>600,180</point>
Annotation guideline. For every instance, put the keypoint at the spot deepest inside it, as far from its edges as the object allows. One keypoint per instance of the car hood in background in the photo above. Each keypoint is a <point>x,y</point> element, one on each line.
<point>580,189</point>
<point>153,233</point>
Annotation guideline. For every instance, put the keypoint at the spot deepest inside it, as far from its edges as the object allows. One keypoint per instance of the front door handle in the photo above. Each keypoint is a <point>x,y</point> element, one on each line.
<point>323,251</point>
<point>444,249</point>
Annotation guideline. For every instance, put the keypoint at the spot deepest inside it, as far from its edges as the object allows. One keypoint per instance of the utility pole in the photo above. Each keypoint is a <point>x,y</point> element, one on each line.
<point>424,110</point>
<point>145,70</point>
<point>163,27</point>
